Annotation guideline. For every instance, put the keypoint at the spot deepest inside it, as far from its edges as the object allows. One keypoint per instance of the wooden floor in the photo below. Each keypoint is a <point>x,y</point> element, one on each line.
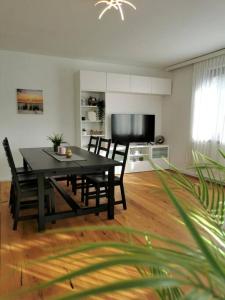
<point>148,209</point>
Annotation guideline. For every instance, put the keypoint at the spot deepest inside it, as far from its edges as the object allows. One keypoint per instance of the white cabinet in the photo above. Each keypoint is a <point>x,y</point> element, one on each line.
<point>124,83</point>
<point>140,84</point>
<point>140,157</point>
<point>92,81</point>
<point>118,82</point>
<point>161,86</point>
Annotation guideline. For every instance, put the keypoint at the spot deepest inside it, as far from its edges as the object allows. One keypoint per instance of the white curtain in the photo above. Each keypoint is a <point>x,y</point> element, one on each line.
<point>208,110</point>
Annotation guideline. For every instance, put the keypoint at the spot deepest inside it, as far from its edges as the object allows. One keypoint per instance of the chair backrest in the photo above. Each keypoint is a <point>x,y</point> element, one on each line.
<point>104,147</point>
<point>93,144</point>
<point>121,149</point>
<point>11,162</point>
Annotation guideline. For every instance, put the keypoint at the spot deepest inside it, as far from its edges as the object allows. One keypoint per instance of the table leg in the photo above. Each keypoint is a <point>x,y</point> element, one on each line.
<point>41,202</point>
<point>111,199</point>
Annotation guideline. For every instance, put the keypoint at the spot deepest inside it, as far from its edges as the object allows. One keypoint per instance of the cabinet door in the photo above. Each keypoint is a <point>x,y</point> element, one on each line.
<point>161,86</point>
<point>92,81</point>
<point>118,82</point>
<point>140,84</point>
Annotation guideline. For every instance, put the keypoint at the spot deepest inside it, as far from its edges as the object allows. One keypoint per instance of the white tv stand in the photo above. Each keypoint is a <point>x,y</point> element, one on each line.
<point>140,157</point>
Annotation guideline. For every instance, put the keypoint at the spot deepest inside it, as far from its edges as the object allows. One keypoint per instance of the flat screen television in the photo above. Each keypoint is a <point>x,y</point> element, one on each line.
<point>133,128</point>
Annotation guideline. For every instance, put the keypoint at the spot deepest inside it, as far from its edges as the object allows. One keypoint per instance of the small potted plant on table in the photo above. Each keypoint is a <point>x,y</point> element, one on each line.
<point>56,139</point>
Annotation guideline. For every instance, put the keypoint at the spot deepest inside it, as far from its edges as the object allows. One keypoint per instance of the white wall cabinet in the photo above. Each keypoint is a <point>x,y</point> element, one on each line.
<point>161,86</point>
<point>124,83</point>
<point>140,84</point>
<point>118,82</point>
<point>92,81</point>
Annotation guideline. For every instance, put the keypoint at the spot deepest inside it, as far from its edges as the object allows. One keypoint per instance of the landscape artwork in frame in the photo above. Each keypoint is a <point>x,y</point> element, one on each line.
<point>29,101</point>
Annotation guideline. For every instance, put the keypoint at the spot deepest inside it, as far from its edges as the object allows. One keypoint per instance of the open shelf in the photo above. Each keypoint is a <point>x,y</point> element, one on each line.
<point>89,106</point>
<point>137,155</point>
<point>97,121</point>
<point>88,135</point>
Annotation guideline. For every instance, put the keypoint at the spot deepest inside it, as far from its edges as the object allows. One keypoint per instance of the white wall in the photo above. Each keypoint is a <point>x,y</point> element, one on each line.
<point>176,118</point>
<point>55,76</point>
<point>134,103</point>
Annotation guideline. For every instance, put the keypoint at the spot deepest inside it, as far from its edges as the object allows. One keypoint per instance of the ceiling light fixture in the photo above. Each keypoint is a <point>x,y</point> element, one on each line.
<point>116,4</point>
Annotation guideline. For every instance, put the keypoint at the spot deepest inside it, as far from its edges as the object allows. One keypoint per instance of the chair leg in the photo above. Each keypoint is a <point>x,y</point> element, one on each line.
<point>106,190</point>
<point>74,184</point>
<point>123,195</point>
<point>11,195</point>
<point>68,181</point>
<point>16,213</point>
<point>12,198</point>
<point>87,193</point>
<point>47,204</point>
<point>97,198</point>
<point>83,188</point>
<point>52,203</point>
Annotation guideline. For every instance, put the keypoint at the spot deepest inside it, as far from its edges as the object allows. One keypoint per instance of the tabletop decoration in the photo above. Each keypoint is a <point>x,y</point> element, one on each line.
<point>56,139</point>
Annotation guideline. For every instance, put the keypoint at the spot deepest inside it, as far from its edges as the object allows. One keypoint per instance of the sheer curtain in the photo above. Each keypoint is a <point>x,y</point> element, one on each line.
<point>208,110</point>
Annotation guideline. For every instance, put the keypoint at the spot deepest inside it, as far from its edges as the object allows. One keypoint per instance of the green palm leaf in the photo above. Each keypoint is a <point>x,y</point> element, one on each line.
<point>173,265</point>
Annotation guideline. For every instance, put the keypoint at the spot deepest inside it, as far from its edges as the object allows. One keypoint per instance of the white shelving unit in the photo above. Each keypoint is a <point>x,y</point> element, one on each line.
<point>140,157</point>
<point>102,85</point>
<point>87,118</point>
<point>89,126</point>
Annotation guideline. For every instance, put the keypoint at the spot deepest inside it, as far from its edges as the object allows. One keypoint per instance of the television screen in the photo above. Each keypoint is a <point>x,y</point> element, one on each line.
<point>133,128</point>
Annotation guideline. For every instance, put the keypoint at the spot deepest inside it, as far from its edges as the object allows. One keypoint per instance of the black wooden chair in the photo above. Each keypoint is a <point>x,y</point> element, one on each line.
<point>76,181</point>
<point>103,150</point>
<point>99,181</point>
<point>25,192</point>
<point>24,175</point>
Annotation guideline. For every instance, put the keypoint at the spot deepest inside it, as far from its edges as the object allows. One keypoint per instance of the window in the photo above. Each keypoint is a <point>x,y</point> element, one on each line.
<point>208,126</point>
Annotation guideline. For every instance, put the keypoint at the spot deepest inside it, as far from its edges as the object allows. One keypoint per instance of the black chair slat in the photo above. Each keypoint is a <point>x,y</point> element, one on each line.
<point>93,144</point>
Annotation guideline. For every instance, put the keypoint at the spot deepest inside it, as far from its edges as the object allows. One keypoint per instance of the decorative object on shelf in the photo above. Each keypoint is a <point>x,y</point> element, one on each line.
<point>69,152</point>
<point>83,118</point>
<point>92,101</point>
<point>141,158</point>
<point>101,109</point>
<point>83,102</point>
<point>116,4</point>
<point>159,139</point>
<point>56,139</point>
<point>84,131</point>
<point>96,132</point>
<point>136,152</point>
<point>29,101</point>
<point>92,116</point>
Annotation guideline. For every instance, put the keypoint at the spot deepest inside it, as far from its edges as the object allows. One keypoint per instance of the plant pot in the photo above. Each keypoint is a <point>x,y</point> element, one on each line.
<point>55,147</point>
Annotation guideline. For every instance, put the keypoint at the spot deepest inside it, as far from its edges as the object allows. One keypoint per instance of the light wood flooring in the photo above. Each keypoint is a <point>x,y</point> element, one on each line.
<point>148,209</point>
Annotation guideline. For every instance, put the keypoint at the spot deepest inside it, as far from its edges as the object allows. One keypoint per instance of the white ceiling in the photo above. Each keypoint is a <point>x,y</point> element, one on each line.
<point>158,34</point>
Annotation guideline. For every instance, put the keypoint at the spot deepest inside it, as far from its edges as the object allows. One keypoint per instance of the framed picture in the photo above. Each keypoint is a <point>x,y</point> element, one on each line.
<point>29,101</point>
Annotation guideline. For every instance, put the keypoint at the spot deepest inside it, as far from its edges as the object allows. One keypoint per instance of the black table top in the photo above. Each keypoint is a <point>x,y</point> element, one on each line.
<point>41,162</point>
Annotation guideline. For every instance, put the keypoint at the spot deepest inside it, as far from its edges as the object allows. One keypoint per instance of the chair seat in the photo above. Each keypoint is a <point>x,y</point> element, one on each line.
<point>102,179</point>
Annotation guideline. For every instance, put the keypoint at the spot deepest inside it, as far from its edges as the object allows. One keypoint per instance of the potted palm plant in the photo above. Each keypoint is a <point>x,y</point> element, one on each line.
<point>56,139</point>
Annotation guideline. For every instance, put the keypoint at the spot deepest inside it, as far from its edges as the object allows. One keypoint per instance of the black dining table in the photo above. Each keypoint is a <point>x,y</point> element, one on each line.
<point>43,164</point>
